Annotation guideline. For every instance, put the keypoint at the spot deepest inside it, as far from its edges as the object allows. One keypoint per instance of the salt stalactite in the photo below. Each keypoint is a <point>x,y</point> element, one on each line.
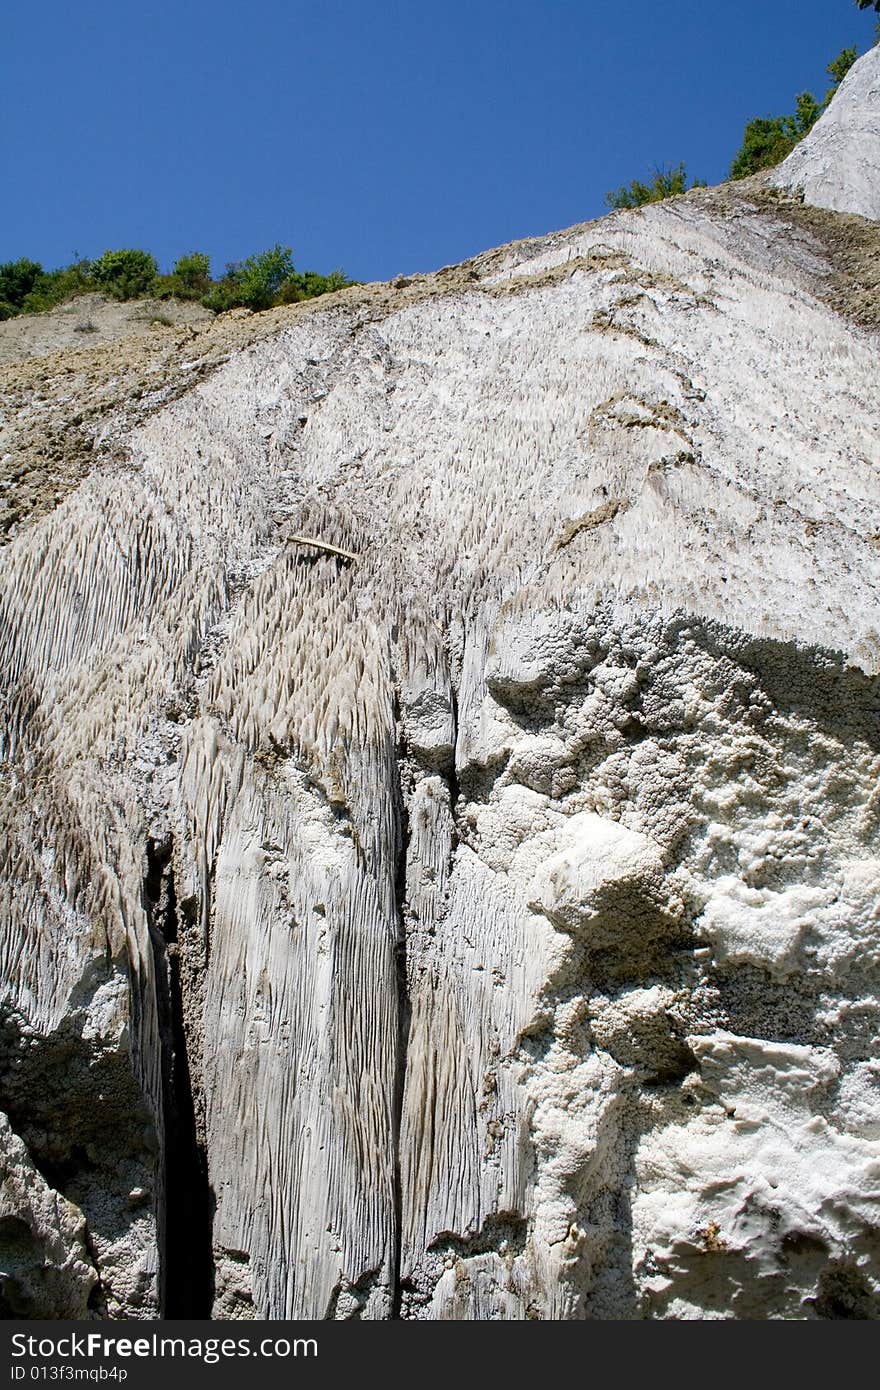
<point>467,904</point>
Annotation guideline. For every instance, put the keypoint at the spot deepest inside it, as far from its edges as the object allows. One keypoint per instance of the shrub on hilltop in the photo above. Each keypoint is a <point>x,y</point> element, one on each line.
<point>768,139</point>
<point>666,183</point>
<point>190,278</point>
<point>57,286</point>
<point>254,283</point>
<point>125,274</point>
<point>259,282</point>
<point>17,279</point>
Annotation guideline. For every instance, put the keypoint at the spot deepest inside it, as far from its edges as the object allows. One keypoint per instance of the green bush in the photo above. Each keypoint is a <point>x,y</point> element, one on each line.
<point>768,139</point>
<point>268,279</point>
<point>308,284</point>
<point>193,271</point>
<point>190,278</point>
<point>766,142</point>
<point>665,184</point>
<point>840,66</point>
<point>56,286</point>
<point>17,279</point>
<point>126,274</point>
<point>224,294</point>
<point>256,283</point>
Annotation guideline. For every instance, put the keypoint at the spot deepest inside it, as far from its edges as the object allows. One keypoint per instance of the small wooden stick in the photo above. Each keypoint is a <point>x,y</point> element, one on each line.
<point>322,545</point>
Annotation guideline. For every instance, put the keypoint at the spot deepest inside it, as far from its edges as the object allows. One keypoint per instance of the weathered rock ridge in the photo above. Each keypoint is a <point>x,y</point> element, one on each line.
<point>837,166</point>
<point>484,926</point>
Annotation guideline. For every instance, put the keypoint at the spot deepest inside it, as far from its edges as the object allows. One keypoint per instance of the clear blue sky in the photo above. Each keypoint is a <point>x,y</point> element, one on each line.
<point>381,136</point>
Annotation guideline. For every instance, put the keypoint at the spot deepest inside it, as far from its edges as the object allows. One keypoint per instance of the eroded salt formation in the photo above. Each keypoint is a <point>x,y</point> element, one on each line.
<point>484,926</point>
<point>837,166</point>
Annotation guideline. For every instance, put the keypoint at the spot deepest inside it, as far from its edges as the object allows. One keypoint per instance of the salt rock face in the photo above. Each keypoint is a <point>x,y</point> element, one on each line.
<point>43,1240</point>
<point>837,165</point>
<point>481,923</point>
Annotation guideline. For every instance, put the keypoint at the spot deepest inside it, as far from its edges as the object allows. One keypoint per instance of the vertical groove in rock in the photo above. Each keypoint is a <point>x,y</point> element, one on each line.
<point>404,1010</point>
<point>403,1017</point>
<point>184,1205</point>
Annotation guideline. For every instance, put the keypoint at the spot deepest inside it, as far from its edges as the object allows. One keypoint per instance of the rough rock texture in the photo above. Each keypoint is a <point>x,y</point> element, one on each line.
<point>42,1237</point>
<point>837,166</point>
<point>484,926</point>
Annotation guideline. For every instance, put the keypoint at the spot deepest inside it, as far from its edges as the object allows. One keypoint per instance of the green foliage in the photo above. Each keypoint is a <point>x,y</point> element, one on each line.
<point>840,66</point>
<point>308,284</point>
<point>190,278</point>
<point>125,274</point>
<point>56,286</point>
<point>17,279</point>
<point>194,271</point>
<point>665,184</point>
<point>222,295</point>
<point>768,139</point>
<point>806,113</point>
<point>256,283</point>
<point>268,279</point>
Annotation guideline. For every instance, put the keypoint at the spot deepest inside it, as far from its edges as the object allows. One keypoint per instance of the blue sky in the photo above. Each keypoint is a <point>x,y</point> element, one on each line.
<point>379,136</point>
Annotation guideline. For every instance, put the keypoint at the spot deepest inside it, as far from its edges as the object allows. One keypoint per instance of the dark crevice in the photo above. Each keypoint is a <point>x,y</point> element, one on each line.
<point>184,1199</point>
<point>400,1286</point>
<point>404,1014</point>
<point>452,775</point>
<point>97,1301</point>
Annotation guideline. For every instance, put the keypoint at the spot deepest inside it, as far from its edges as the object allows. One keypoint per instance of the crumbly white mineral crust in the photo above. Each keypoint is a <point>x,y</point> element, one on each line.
<point>591,723</point>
